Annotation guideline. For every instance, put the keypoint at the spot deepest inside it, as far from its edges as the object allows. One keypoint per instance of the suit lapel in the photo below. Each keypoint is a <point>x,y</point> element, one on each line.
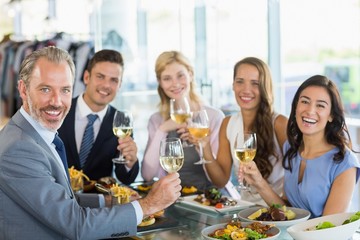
<point>67,133</point>
<point>23,124</point>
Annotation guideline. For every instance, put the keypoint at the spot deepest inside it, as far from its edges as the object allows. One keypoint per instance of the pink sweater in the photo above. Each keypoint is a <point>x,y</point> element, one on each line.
<point>151,165</point>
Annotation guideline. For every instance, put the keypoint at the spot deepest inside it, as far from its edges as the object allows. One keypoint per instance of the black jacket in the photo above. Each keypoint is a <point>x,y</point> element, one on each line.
<point>99,163</point>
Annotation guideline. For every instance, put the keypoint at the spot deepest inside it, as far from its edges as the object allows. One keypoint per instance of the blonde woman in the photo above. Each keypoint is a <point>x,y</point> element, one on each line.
<point>175,76</point>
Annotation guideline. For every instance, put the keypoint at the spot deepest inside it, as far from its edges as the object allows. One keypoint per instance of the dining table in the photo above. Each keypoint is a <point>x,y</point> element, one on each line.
<point>183,222</point>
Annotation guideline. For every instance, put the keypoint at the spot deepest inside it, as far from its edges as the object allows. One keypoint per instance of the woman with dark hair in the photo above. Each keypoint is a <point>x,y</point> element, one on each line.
<point>252,86</point>
<point>321,169</point>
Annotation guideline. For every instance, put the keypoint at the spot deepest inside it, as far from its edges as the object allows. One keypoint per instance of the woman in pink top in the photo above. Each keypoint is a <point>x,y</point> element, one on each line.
<point>175,76</point>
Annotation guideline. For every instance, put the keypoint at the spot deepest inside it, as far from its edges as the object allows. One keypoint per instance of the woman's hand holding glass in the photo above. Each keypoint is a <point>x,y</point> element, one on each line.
<point>252,175</point>
<point>122,127</point>
<point>180,113</point>
<point>245,151</point>
<point>198,126</point>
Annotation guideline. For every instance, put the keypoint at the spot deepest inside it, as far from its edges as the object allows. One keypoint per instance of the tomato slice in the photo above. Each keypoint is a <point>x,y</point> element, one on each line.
<point>219,205</point>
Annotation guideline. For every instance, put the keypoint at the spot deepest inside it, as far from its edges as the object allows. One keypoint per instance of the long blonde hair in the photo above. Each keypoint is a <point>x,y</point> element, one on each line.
<point>162,61</point>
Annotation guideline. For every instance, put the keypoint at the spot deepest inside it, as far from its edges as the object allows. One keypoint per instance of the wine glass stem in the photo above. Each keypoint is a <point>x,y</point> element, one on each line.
<point>241,179</point>
<point>120,156</point>
<point>201,153</point>
<point>243,186</point>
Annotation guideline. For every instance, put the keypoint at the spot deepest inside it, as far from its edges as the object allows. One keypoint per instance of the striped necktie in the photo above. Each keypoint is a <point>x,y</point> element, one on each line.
<point>60,148</point>
<point>88,139</point>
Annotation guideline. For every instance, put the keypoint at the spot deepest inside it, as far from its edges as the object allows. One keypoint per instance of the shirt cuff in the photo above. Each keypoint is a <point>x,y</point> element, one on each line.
<point>101,200</point>
<point>138,211</point>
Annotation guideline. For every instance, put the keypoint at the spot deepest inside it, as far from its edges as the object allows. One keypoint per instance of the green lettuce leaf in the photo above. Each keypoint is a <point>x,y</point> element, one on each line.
<point>324,225</point>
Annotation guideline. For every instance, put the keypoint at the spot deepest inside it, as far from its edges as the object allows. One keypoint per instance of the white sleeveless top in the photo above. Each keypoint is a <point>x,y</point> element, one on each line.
<point>276,178</point>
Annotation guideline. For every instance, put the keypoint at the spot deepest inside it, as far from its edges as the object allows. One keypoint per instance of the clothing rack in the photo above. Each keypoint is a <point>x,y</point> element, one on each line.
<point>13,52</point>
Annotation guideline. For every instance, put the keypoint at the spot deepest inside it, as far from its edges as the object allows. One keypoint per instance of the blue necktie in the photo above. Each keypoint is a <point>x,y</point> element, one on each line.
<point>88,140</point>
<point>60,148</point>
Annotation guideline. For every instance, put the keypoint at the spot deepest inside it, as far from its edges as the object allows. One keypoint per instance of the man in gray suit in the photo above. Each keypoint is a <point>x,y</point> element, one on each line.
<point>36,200</point>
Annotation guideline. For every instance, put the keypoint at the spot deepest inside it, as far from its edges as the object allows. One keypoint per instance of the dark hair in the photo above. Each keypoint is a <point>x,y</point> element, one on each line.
<point>106,55</point>
<point>336,132</point>
<point>263,125</point>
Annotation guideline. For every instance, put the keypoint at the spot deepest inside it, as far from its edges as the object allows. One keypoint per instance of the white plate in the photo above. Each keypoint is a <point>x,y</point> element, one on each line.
<point>340,232</point>
<point>189,201</point>
<point>206,231</point>
<point>301,216</point>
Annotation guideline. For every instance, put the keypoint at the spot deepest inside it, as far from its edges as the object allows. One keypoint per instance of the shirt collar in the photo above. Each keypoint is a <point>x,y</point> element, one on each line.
<point>83,109</point>
<point>45,133</point>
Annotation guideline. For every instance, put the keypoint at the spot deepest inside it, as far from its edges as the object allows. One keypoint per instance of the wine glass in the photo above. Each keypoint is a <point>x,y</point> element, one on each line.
<point>198,126</point>
<point>171,154</point>
<point>122,127</point>
<point>245,151</point>
<point>180,112</point>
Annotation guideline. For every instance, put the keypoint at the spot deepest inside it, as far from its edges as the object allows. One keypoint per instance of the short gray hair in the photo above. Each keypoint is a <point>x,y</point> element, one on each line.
<point>52,54</point>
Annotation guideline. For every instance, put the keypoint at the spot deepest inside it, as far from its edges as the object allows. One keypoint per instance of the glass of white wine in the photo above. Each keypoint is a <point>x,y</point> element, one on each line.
<point>122,127</point>
<point>198,126</point>
<point>180,112</point>
<point>171,154</point>
<point>245,151</point>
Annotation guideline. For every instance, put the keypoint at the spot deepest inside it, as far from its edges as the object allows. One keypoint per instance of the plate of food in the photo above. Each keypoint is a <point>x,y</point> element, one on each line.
<point>241,230</point>
<point>89,185</point>
<point>212,200</point>
<point>189,190</point>
<point>155,222</point>
<point>341,226</point>
<point>80,182</point>
<point>121,193</point>
<point>281,216</point>
<point>144,187</point>
<point>150,220</point>
<point>105,184</point>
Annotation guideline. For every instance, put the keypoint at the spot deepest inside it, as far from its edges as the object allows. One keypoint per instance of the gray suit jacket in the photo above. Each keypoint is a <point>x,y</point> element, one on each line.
<point>36,201</point>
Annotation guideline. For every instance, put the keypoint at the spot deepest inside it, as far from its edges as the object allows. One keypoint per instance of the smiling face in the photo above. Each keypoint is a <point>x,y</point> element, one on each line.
<point>175,80</point>
<point>48,96</point>
<point>102,84</point>
<point>246,87</point>
<point>313,110</point>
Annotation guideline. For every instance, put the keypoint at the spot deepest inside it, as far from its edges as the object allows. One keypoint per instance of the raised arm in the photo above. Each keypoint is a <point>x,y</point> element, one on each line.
<point>216,117</point>
<point>151,163</point>
<point>219,170</point>
<point>254,178</point>
<point>158,130</point>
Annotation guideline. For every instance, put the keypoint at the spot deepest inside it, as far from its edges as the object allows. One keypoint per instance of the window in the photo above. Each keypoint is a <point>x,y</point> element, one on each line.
<point>322,38</point>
